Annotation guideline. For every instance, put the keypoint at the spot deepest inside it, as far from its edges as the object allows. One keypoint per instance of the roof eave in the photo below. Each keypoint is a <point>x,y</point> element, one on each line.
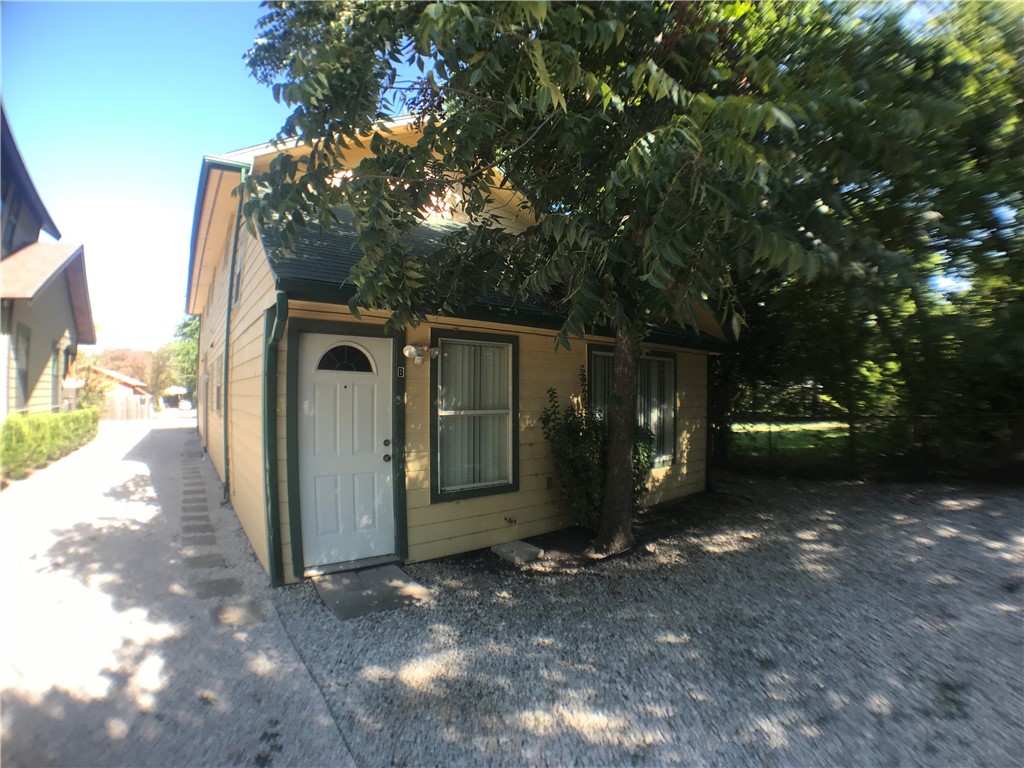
<point>21,172</point>
<point>314,290</point>
<point>57,272</point>
<point>81,304</point>
<point>210,162</point>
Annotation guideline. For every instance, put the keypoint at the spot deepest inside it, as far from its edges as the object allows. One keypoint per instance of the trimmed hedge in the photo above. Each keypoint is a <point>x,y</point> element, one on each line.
<point>28,441</point>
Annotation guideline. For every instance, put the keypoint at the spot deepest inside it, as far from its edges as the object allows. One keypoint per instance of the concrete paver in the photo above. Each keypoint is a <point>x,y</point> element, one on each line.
<point>518,552</point>
<point>356,593</point>
<point>128,642</point>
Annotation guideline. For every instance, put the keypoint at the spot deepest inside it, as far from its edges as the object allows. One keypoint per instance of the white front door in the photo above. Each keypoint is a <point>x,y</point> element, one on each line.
<point>346,481</point>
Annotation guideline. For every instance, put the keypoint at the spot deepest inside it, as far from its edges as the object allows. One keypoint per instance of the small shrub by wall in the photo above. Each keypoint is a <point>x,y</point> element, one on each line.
<point>31,440</point>
<point>579,447</point>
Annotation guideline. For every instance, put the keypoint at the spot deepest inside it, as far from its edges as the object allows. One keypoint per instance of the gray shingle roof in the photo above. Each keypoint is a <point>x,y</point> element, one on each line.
<point>328,257</point>
<point>325,258</point>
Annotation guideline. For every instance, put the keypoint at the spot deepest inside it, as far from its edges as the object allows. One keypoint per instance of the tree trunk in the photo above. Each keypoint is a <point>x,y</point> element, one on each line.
<point>615,534</point>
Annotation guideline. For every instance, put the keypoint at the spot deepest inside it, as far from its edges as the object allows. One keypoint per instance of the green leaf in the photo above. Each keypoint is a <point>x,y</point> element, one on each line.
<point>782,118</point>
<point>543,99</point>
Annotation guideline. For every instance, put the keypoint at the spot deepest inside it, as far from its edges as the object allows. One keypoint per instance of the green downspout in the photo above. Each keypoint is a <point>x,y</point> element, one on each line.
<point>274,321</point>
<point>227,339</point>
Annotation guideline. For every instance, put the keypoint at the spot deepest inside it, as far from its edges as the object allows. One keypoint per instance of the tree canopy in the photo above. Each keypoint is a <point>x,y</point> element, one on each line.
<point>934,324</point>
<point>669,151</point>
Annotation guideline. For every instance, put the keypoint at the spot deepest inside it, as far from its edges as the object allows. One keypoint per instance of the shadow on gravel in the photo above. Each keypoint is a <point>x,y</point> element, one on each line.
<point>136,688</point>
<point>776,624</point>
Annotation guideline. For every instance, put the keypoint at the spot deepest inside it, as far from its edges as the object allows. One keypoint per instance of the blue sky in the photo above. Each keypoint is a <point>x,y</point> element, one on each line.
<point>113,106</point>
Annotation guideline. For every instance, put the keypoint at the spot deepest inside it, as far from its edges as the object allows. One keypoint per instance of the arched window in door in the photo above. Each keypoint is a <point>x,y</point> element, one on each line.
<point>345,357</point>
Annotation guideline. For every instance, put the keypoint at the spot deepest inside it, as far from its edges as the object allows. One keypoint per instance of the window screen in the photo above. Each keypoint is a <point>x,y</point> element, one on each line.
<point>474,414</point>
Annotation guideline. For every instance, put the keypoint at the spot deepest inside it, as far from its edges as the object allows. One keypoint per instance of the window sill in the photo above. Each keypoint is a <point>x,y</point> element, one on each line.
<point>440,497</point>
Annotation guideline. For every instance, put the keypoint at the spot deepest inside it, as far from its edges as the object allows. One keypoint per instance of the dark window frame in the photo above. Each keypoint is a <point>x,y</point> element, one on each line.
<point>606,350</point>
<point>11,216</point>
<point>21,364</point>
<point>437,495</point>
<point>55,377</point>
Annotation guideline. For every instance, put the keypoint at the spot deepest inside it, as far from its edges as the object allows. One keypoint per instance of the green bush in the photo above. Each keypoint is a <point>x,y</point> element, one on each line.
<point>579,446</point>
<point>31,440</point>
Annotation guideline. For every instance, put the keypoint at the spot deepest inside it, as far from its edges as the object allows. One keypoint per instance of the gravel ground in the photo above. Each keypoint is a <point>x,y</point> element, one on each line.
<point>772,624</point>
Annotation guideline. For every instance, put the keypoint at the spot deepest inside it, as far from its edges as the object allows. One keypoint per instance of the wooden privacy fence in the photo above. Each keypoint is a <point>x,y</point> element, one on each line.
<point>124,408</point>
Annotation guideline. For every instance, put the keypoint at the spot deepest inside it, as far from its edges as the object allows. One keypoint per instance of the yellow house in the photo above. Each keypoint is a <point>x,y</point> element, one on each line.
<point>343,445</point>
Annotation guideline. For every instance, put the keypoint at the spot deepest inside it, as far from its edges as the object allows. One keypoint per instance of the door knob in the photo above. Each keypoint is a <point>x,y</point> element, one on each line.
<point>387,457</point>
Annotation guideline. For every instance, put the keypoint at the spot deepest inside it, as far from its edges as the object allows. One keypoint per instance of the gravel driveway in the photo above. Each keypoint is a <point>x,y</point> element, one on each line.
<point>772,624</point>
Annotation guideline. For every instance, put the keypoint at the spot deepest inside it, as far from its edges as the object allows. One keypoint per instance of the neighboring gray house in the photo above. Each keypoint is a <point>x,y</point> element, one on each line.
<point>44,296</point>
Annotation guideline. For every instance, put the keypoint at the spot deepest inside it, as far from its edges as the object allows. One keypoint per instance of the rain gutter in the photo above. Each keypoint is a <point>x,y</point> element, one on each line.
<point>274,321</point>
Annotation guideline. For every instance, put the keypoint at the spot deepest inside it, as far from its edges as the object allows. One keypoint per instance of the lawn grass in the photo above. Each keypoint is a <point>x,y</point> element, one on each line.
<point>814,446</point>
<point>885,446</point>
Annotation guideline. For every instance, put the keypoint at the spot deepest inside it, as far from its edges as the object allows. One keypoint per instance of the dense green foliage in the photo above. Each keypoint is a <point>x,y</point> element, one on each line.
<point>163,370</point>
<point>93,393</point>
<point>675,155</point>
<point>185,353</point>
<point>929,331</point>
<point>29,441</point>
<point>650,138</point>
<point>579,446</point>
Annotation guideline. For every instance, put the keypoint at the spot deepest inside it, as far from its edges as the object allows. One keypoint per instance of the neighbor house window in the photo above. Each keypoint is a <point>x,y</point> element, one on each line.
<point>655,397</point>
<point>11,212</point>
<point>55,377</point>
<point>474,431</point>
<point>21,346</point>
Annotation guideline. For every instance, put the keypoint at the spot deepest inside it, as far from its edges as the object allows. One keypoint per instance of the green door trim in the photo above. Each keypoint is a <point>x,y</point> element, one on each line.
<point>305,325</point>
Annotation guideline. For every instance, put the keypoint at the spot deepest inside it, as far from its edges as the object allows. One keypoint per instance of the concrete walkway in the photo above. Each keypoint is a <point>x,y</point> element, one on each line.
<point>138,629</point>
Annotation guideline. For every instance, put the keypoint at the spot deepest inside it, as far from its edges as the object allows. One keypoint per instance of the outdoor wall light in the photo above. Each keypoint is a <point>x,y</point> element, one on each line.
<point>418,352</point>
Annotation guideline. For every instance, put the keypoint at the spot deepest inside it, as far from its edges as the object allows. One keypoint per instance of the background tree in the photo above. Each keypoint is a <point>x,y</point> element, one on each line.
<point>668,151</point>
<point>93,393</point>
<point>162,373</point>
<point>131,362</point>
<point>185,351</point>
<point>158,370</point>
<point>934,323</point>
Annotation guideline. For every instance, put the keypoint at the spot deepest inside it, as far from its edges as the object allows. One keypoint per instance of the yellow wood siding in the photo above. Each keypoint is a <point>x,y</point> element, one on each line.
<point>211,349</point>
<point>435,530</point>
<point>245,393</point>
<point>244,402</point>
